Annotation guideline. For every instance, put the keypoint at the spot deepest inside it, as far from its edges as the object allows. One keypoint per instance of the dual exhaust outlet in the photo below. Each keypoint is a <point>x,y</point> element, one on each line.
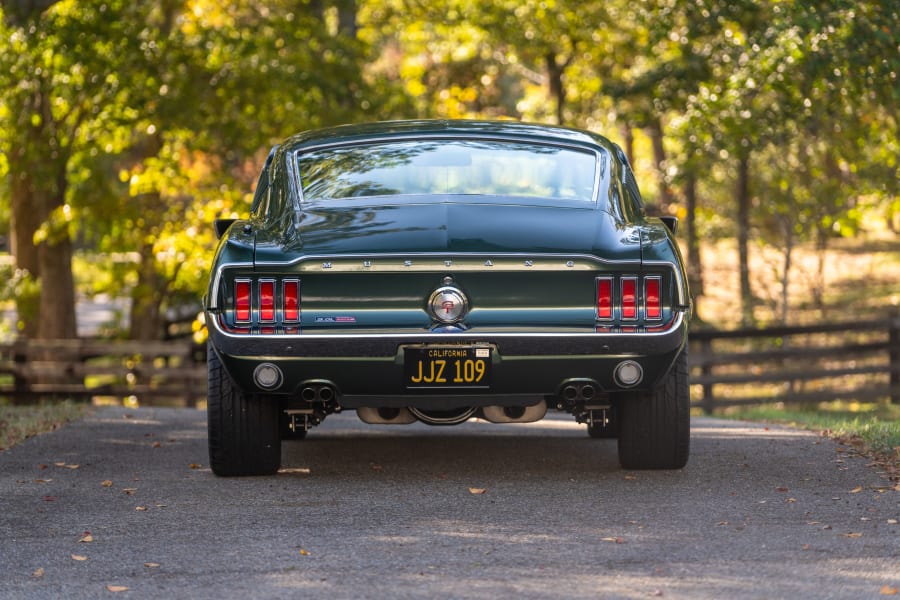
<point>626,374</point>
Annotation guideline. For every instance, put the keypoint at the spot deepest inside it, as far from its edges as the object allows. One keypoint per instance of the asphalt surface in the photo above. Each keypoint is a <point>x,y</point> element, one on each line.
<point>124,499</point>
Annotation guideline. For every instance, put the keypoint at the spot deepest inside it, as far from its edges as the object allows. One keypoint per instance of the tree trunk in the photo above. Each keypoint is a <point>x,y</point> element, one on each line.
<point>694,262</point>
<point>628,143</point>
<point>659,157</point>
<point>743,238</point>
<point>555,72</point>
<point>146,299</point>
<point>57,304</point>
<point>347,24</point>
<point>25,222</point>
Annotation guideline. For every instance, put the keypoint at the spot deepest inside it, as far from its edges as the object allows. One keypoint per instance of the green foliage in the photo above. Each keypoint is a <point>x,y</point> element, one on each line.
<point>149,120</point>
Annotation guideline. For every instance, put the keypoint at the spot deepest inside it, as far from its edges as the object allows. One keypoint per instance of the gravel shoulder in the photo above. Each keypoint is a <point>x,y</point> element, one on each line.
<point>124,499</point>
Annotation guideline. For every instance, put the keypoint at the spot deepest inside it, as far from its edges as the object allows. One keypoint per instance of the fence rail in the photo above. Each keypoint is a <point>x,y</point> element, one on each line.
<point>857,360</point>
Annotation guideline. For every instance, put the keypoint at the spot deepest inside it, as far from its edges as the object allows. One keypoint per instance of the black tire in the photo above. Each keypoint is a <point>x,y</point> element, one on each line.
<point>655,426</point>
<point>243,428</point>
<point>608,432</point>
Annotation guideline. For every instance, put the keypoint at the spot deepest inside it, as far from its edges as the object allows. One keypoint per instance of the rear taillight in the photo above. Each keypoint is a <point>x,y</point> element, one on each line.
<point>242,301</point>
<point>267,300</point>
<point>629,298</point>
<point>604,298</point>
<point>261,305</point>
<point>652,300</point>
<point>291,294</point>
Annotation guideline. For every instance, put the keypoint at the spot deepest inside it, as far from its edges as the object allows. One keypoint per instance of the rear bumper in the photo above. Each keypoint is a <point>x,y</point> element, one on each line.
<point>366,369</point>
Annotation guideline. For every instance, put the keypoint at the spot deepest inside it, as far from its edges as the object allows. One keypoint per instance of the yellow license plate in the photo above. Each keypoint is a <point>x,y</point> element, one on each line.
<point>438,367</point>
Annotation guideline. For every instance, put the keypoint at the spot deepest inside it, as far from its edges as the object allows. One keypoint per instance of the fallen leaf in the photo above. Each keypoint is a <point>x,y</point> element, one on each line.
<point>887,590</point>
<point>49,498</point>
<point>38,573</point>
<point>631,477</point>
<point>477,491</point>
<point>117,588</point>
<point>106,483</point>
<point>617,540</point>
<point>304,552</point>
<point>42,466</point>
<point>781,489</point>
<point>87,538</point>
<point>856,490</point>
<point>805,546</point>
<point>157,445</point>
<point>43,480</point>
<point>853,535</point>
<point>150,565</point>
<point>129,491</point>
<point>59,464</point>
<point>195,466</point>
<point>791,500</point>
<point>140,508</point>
<point>892,521</point>
<point>78,557</point>
<point>71,466</point>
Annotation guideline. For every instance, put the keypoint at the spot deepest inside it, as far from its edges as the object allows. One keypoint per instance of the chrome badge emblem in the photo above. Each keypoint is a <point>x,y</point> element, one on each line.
<point>448,304</point>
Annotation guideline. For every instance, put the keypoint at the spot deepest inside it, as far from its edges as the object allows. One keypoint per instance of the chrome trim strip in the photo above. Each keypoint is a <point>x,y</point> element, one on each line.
<point>442,337</point>
<point>442,257</point>
<point>679,280</point>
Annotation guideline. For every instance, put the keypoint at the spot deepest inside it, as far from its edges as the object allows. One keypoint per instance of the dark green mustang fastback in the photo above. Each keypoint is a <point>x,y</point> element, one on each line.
<point>438,271</point>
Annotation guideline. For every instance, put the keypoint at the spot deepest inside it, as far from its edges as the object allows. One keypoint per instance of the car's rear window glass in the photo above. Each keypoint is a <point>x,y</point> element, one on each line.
<point>448,167</point>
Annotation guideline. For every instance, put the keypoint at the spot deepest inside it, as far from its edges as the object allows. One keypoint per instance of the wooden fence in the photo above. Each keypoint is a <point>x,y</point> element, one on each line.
<point>87,368</point>
<point>854,361</point>
<point>850,360</point>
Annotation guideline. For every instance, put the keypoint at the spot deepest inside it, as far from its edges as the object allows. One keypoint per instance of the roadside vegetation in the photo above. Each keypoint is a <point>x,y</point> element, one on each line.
<point>18,423</point>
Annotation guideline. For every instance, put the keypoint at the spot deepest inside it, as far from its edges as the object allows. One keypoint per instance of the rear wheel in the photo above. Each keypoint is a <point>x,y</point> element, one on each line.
<point>655,428</point>
<point>243,428</point>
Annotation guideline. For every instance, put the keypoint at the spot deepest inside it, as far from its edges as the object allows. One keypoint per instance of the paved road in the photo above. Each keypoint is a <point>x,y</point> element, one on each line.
<point>377,512</point>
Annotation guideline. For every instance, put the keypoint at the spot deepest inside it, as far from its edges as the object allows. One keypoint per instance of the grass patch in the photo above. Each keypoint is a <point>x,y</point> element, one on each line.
<point>18,423</point>
<point>874,427</point>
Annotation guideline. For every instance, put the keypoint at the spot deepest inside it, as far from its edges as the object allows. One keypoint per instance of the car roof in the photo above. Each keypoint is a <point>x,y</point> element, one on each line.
<point>441,127</point>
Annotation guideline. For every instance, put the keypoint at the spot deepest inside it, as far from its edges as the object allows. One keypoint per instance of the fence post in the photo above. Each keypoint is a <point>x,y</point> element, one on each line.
<point>894,357</point>
<point>20,382</point>
<point>706,399</point>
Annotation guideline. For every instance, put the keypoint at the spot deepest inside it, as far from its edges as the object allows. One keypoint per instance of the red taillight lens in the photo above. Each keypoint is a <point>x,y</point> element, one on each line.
<point>651,293</point>
<point>242,301</point>
<point>292,300</point>
<point>267,301</point>
<point>604,298</point>
<point>629,298</point>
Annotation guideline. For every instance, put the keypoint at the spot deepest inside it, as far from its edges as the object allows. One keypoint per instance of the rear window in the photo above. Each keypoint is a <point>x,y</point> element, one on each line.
<point>448,168</point>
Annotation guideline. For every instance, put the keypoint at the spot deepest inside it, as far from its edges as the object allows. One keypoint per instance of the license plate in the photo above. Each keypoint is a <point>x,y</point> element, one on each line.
<point>439,367</point>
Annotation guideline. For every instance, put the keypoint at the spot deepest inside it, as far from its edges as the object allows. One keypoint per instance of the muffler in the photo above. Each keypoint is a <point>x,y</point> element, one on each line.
<point>385,415</point>
<point>515,414</point>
